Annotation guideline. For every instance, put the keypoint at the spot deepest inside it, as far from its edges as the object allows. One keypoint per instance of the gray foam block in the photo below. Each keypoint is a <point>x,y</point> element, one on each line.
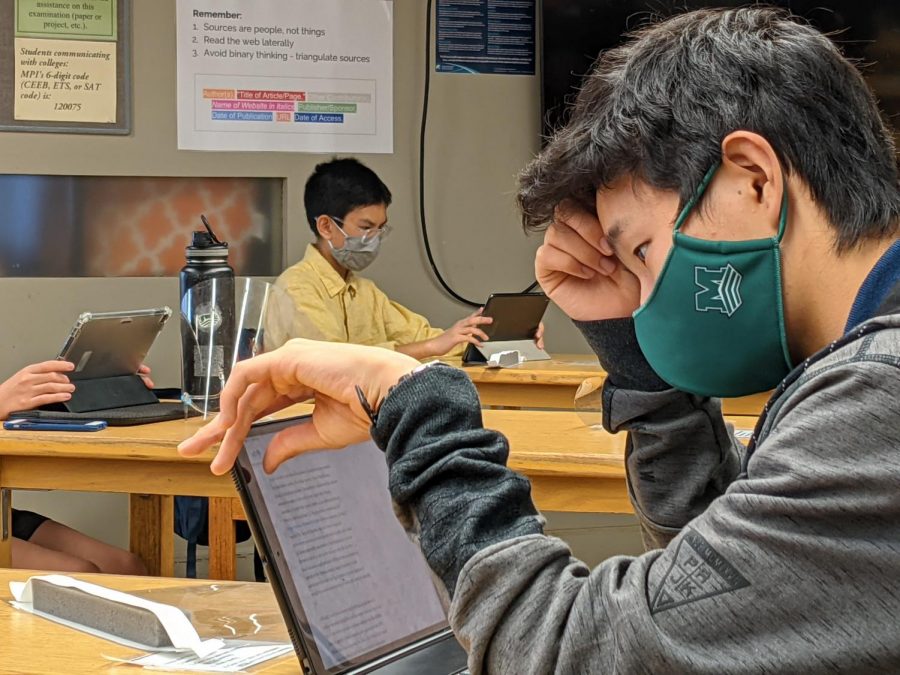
<point>131,623</point>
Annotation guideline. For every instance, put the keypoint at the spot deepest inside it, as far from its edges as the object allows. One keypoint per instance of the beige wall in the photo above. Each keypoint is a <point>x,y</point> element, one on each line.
<point>483,129</point>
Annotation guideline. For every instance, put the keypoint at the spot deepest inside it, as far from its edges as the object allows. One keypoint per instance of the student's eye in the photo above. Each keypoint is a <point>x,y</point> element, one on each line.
<point>641,252</point>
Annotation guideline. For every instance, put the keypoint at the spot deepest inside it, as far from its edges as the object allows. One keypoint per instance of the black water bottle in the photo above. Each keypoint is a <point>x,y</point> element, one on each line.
<point>207,319</point>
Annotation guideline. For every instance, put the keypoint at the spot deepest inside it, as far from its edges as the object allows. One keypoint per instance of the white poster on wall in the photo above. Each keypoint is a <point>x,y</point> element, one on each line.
<point>285,75</point>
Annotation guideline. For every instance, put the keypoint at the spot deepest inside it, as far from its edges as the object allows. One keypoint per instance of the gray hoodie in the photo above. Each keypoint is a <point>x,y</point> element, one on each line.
<point>781,558</point>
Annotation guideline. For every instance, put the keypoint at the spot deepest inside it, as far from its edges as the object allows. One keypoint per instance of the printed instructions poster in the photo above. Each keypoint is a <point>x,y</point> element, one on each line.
<point>65,60</point>
<point>285,75</point>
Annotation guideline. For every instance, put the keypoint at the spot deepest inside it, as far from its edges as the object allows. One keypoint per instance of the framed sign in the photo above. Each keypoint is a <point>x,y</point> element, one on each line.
<point>65,66</point>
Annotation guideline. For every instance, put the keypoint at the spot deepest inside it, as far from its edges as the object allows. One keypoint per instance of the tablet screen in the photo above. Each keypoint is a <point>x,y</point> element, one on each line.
<point>516,315</point>
<point>363,587</point>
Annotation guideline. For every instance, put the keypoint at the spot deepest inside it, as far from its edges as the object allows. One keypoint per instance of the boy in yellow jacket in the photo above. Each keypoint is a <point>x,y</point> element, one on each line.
<point>346,207</point>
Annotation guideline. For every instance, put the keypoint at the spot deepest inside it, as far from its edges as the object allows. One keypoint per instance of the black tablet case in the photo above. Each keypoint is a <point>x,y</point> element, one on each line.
<point>117,404</point>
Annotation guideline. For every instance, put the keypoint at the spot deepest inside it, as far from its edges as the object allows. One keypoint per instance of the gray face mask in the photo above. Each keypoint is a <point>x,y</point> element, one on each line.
<point>357,253</point>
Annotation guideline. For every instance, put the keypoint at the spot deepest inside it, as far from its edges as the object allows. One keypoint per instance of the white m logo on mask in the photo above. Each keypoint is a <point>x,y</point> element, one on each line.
<point>720,289</point>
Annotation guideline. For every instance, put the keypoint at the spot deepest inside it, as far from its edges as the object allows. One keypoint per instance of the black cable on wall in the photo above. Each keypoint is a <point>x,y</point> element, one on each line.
<point>456,296</point>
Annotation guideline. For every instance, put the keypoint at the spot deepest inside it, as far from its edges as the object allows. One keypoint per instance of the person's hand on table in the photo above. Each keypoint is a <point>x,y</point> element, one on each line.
<point>301,369</point>
<point>36,385</point>
<point>578,270</point>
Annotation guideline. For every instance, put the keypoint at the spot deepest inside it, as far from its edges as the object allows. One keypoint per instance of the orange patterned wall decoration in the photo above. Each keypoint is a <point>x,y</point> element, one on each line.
<point>136,226</point>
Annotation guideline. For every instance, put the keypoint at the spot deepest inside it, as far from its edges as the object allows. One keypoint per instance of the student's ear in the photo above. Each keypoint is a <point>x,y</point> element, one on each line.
<point>753,172</point>
<point>325,227</point>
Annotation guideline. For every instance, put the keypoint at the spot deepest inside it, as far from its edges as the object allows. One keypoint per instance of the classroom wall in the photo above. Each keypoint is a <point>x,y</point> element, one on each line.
<point>482,130</point>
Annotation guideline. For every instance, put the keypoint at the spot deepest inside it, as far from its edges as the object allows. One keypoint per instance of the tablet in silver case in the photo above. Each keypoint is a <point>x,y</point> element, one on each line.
<point>107,344</point>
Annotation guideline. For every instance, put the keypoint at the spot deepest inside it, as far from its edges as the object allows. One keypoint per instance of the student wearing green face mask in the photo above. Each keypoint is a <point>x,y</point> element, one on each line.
<point>722,217</point>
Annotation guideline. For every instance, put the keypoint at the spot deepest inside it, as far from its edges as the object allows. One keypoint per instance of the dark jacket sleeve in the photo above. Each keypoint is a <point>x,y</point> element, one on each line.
<point>680,454</point>
<point>449,471</point>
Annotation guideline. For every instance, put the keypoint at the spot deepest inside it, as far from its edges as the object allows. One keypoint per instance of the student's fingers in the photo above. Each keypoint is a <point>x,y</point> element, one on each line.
<point>215,431</point>
<point>52,388</point>
<point>47,399</point>
<point>144,372</point>
<point>229,448</point>
<point>203,438</point>
<point>206,436</point>
<point>478,333</point>
<point>256,399</point>
<point>242,377</point>
<point>467,331</point>
<point>550,260</point>
<point>36,379</point>
<point>259,400</point>
<point>606,248</point>
<point>54,366</point>
<point>479,320</point>
<point>586,224</point>
<point>333,425</point>
<point>561,236</point>
<point>460,337</point>
<point>292,442</point>
<point>475,320</point>
<point>282,402</point>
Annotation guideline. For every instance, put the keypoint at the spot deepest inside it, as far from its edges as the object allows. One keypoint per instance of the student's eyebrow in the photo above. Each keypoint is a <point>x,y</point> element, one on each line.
<point>614,233</point>
<point>371,224</point>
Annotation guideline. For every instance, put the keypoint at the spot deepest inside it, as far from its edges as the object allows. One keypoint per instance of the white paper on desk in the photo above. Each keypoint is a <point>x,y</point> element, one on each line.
<point>234,657</point>
<point>177,626</point>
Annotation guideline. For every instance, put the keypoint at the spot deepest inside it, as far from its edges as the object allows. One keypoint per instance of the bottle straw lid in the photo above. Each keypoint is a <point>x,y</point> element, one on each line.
<point>206,241</point>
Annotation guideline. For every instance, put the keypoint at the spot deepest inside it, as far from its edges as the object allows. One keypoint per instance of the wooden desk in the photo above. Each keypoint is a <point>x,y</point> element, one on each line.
<point>32,644</point>
<point>572,468</point>
<point>139,460</point>
<point>552,384</point>
<point>534,384</point>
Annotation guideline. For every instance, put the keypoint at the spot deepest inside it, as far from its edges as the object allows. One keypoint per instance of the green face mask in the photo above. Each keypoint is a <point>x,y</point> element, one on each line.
<point>714,323</point>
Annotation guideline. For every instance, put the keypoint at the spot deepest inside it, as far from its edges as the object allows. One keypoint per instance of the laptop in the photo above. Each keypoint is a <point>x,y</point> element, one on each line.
<point>356,594</point>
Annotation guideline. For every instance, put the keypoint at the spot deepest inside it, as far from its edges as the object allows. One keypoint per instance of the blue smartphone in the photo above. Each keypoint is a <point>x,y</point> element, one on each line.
<point>29,424</point>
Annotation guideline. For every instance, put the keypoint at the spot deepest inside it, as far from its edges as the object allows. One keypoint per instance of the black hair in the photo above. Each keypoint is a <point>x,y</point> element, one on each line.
<point>337,187</point>
<point>659,106</point>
